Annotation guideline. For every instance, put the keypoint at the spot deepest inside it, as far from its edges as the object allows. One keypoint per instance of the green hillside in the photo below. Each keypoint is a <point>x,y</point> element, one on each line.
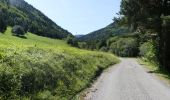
<point>102,38</point>
<point>39,68</point>
<point>19,12</point>
<point>104,33</point>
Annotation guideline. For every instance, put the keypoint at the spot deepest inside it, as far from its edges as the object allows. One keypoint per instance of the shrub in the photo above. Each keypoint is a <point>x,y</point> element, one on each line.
<point>18,30</point>
<point>126,47</point>
<point>104,49</point>
<point>72,41</point>
<point>148,51</point>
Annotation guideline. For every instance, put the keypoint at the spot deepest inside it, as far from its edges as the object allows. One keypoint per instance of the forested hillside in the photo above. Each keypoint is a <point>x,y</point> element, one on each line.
<point>98,39</point>
<point>19,12</point>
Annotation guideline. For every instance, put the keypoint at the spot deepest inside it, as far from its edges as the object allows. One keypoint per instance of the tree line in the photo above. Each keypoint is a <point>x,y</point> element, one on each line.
<point>151,17</point>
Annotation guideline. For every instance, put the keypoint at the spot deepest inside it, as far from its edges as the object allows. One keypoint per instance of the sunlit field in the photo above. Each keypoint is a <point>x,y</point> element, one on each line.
<point>34,67</point>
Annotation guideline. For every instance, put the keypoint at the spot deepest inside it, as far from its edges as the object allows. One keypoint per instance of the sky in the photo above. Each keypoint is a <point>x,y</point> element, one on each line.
<point>79,16</point>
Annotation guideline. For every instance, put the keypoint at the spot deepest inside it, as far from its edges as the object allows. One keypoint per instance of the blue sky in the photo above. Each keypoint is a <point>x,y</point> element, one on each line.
<point>79,16</point>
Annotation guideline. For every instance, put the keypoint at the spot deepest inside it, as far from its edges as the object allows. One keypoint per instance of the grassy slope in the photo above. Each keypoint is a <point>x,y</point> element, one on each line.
<point>46,69</point>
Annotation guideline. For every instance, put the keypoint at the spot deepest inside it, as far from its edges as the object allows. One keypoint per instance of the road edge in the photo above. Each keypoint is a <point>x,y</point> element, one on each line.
<point>90,89</point>
<point>161,77</point>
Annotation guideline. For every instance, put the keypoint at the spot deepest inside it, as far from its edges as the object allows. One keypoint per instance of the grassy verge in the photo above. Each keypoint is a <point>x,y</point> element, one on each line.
<point>153,68</point>
<point>39,68</point>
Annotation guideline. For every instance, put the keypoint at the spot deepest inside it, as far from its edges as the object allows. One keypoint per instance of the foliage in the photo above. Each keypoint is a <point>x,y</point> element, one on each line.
<point>82,45</point>
<point>71,40</point>
<point>151,15</point>
<point>148,50</point>
<point>39,68</point>
<point>18,30</point>
<point>123,46</point>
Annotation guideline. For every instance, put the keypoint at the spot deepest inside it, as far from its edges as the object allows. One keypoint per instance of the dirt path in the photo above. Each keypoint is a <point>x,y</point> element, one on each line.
<point>128,81</point>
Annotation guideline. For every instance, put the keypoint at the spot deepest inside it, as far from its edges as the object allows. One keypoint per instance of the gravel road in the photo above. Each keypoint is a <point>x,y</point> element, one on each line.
<point>128,81</point>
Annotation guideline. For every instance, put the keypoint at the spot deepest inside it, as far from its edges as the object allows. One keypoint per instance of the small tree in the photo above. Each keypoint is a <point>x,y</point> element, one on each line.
<point>72,41</point>
<point>18,30</point>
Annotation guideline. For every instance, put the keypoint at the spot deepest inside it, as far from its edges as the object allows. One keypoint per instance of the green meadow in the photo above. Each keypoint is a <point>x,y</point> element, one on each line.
<point>40,68</point>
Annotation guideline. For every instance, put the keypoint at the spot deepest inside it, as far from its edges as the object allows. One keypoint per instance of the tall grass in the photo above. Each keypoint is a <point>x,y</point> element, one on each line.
<point>40,68</point>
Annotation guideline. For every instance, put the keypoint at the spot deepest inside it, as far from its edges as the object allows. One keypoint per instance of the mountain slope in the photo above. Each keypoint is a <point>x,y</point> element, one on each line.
<point>115,38</point>
<point>19,12</point>
<point>98,39</point>
<point>104,33</point>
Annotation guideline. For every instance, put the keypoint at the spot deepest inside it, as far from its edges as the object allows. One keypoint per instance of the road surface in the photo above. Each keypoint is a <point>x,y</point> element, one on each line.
<point>128,81</point>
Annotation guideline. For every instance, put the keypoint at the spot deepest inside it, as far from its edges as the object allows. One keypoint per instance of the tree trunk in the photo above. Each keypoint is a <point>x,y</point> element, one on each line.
<point>166,43</point>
